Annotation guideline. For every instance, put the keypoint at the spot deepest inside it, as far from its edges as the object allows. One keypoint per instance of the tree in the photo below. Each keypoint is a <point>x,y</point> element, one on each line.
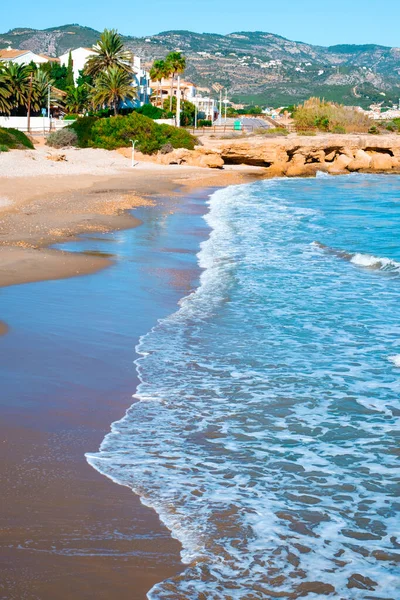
<point>16,79</point>
<point>109,52</point>
<point>111,87</point>
<point>188,111</point>
<point>5,91</point>
<point>77,100</point>
<point>40,91</point>
<point>175,64</point>
<point>158,71</point>
<point>69,80</point>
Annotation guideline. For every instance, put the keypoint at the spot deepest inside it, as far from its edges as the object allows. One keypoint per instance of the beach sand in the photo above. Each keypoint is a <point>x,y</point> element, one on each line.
<point>44,202</point>
<point>66,531</point>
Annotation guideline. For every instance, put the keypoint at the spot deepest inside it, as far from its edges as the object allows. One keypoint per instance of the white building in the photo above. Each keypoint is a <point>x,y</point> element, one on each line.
<point>24,57</point>
<point>80,57</point>
<point>206,108</point>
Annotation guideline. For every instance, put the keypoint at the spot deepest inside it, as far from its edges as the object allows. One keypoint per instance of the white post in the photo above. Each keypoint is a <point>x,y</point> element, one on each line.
<point>178,103</point>
<point>195,116</point>
<point>226,102</point>
<point>133,164</point>
<point>220,107</point>
<point>48,102</point>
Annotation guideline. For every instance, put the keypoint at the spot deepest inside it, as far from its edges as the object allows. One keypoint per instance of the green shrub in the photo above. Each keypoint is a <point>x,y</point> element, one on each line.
<point>339,129</point>
<point>391,126</point>
<point>204,123</point>
<point>307,133</point>
<point>396,123</point>
<point>153,112</point>
<point>271,131</point>
<point>117,132</point>
<point>83,129</point>
<point>62,138</point>
<point>4,148</point>
<point>178,138</point>
<point>374,130</point>
<point>71,117</point>
<point>15,139</point>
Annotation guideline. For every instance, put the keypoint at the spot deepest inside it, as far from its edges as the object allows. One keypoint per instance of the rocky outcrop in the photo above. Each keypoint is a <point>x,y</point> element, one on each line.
<point>299,156</point>
<point>200,157</point>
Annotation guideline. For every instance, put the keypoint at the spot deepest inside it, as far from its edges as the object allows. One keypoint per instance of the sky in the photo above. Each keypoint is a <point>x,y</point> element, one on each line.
<point>321,22</point>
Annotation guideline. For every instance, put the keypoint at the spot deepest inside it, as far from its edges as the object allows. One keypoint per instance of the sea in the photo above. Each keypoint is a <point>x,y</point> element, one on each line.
<point>264,431</point>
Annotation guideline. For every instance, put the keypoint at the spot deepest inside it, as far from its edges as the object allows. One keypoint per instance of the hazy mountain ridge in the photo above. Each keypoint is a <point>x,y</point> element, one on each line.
<point>256,66</point>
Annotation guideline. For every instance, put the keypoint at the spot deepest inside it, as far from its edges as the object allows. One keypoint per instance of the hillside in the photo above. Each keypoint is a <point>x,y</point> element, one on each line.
<point>254,66</point>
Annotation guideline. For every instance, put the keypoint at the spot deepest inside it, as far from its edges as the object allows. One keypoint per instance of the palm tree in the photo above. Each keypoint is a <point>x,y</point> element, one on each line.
<point>158,71</point>
<point>16,78</point>
<point>175,64</point>
<point>40,90</point>
<point>111,87</point>
<point>77,99</point>
<point>109,52</point>
<point>5,91</point>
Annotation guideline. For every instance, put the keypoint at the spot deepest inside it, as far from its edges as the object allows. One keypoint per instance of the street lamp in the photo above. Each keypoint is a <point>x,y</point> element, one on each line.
<point>133,153</point>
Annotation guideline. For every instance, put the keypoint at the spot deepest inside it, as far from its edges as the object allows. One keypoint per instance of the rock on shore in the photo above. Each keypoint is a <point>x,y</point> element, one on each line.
<point>297,156</point>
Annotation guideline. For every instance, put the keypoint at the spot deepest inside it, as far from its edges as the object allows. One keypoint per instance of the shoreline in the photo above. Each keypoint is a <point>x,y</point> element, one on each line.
<point>64,419</point>
<point>38,212</point>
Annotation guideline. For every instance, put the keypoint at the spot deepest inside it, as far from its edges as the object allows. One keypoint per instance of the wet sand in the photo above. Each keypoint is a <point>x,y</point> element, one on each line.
<point>66,369</point>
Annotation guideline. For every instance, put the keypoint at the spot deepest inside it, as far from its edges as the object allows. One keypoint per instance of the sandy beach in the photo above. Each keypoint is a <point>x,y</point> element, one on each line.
<point>44,202</point>
<point>66,530</point>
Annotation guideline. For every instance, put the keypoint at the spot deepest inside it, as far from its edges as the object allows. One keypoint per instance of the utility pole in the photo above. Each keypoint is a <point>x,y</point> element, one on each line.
<point>220,106</point>
<point>195,116</point>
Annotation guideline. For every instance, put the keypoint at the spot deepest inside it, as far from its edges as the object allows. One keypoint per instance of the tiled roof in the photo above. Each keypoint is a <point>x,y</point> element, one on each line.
<point>49,58</point>
<point>5,53</point>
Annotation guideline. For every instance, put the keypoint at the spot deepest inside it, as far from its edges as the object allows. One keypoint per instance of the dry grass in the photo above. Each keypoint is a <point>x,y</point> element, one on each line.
<point>317,115</point>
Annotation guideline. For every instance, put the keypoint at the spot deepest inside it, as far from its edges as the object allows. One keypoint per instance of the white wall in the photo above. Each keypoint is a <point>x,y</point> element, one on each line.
<point>28,57</point>
<point>79,58</point>
<point>38,124</point>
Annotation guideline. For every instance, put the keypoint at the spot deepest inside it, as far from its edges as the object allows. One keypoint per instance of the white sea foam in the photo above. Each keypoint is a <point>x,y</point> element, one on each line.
<point>395,360</point>
<point>375,262</point>
<point>264,435</point>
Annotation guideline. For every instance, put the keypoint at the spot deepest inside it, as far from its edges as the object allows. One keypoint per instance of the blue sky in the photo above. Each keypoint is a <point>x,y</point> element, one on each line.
<point>323,22</point>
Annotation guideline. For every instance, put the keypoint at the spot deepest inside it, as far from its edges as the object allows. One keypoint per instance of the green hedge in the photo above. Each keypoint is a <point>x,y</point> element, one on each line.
<point>13,138</point>
<point>117,132</point>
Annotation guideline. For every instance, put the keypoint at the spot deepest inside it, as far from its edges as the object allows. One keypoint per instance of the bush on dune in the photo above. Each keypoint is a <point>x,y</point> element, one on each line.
<point>14,139</point>
<point>62,138</point>
<point>83,129</point>
<point>318,115</point>
<point>117,132</point>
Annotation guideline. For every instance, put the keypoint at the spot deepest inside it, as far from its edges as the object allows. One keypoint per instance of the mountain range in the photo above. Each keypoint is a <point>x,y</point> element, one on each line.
<point>255,67</point>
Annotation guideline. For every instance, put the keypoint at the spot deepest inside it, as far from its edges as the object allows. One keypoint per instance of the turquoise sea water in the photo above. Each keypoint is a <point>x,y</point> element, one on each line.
<point>265,435</point>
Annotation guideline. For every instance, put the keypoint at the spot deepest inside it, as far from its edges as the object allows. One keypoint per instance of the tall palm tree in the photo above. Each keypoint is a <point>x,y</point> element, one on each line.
<point>158,71</point>
<point>109,52</point>
<point>5,91</point>
<point>16,78</point>
<point>40,90</point>
<point>113,86</point>
<point>175,64</point>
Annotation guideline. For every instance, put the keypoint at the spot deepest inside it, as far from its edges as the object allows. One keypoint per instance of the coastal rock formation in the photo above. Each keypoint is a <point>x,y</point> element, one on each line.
<point>200,157</point>
<point>297,156</point>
